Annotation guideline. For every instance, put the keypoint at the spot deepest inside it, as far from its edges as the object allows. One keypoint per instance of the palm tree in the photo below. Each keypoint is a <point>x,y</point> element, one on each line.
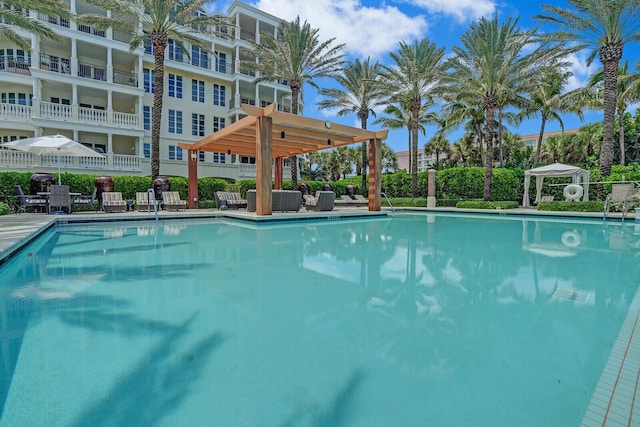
<point>389,159</point>
<point>362,93</point>
<point>14,13</point>
<point>548,102</point>
<point>627,94</point>
<point>438,145</point>
<point>412,79</point>
<point>157,21</point>
<point>604,26</point>
<point>472,115</point>
<point>491,64</point>
<point>297,56</point>
<point>552,149</point>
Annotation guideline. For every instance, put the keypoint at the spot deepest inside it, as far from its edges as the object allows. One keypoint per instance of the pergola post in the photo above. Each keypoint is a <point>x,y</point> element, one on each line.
<point>278,170</point>
<point>375,172</point>
<point>192,162</point>
<point>264,125</point>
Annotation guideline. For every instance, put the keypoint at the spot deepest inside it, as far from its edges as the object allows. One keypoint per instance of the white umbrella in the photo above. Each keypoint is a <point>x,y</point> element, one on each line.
<point>59,145</point>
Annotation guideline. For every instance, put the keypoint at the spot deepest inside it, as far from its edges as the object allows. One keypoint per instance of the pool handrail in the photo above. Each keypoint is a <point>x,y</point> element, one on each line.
<point>393,211</point>
<point>151,191</point>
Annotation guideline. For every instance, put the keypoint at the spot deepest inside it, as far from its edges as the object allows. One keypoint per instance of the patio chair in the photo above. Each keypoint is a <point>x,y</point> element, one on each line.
<point>360,200</point>
<point>324,201</point>
<point>41,203</point>
<point>146,200</point>
<point>87,200</point>
<point>171,201</point>
<point>59,199</point>
<point>112,202</point>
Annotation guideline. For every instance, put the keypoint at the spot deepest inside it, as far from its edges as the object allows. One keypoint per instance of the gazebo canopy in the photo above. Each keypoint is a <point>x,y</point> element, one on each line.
<point>291,134</point>
<point>577,174</point>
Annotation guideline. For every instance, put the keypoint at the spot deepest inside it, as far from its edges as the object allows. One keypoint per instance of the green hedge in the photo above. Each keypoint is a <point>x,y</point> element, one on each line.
<point>406,202</point>
<point>4,209</point>
<point>590,206</point>
<point>479,204</point>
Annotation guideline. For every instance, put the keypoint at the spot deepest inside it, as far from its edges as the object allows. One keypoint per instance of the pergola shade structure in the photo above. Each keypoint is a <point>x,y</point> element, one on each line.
<point>270,134</point>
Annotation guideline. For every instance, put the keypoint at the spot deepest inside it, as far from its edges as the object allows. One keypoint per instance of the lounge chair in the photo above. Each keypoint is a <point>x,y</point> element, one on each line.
<point>87,200</point>
<point>59,199</point>
<point>171,201</point>
<point>112,202</point>
<point>41,203</point>
<point>546,199</point>
<point>620,196</point>
<point>230,200</point>
<point>360,200</point>
<point>324,201</point>
<point>281,200</point>
<point>145,201</point>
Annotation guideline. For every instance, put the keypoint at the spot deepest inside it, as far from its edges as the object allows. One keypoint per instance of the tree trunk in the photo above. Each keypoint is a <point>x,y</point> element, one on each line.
<point>621,141</point>
<point>159,42</point>
<point>295,91</point>
<point>365,159</point>
<point>539,146</point>
<point>490,106</point>
<point>415,110</point>
<point>610,55</point>
<point>500,136</point>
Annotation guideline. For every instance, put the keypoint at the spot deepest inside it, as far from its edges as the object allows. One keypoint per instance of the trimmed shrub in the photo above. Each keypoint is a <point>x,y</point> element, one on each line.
<point>480,204</point>
<point>449,203</point>
<point>4,209</point>
<point>418,202</point>
<point>590,206</point>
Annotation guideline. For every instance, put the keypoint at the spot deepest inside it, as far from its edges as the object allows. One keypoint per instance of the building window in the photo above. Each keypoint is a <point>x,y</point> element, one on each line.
<point>149,80</point>
<point>175,51</point>
<point>199,13</point>
<point>248,160</point>
<point>221,63</point>
<point>199,57</point>
<point>175,86</point>
<point>219,158</point>
<point>197,90</point>
<point>201,156</point>
<point>148,46</point>
<point>197,124</point>
<point>175,121</point>
<point>147,112</point>
<point>146,150</point>
<point>56,100</point>
<point>175,152</point>
<point>218,123</point>
<point>219,95</point>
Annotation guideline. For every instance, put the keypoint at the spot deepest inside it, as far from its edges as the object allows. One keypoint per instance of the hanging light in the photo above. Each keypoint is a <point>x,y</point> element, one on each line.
<point>282,135</point>
<point>328,142</point>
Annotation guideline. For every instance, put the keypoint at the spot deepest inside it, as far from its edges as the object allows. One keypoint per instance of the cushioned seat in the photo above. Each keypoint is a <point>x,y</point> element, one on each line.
<point>281,200</point>
<point>112,202</point>
<point>171,201</point>
<point>231,200</point>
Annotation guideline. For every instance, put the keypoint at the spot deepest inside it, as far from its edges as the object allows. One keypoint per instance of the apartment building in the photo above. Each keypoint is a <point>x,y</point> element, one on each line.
<point>425,161</point>
<point>91,88</point>
<point>532,140</point>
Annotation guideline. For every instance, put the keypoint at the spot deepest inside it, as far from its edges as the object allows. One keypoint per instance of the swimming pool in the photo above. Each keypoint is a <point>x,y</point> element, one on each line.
<point>415,320</point>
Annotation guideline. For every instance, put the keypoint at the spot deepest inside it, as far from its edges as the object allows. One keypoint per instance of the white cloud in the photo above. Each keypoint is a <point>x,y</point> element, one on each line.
<point>366,31</point>
<point>462,10</point>
<point>581,71</point>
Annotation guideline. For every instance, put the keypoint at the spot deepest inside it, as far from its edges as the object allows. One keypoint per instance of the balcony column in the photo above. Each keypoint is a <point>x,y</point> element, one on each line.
<point>109,32</point>
<point>35,51</point>
<point>238,29</point>
<point>140,75</point>
<point>110,107</point>
<point>74,58</point>
<point>257,31</point>
<point>72,6</point>
<point>74,102</point>
<point>110,143</point>
<point>35,100</point>
<point>236,96</point>
<point>109,65</point>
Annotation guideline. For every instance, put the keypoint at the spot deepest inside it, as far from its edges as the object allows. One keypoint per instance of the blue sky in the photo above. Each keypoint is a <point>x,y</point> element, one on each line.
<point>375,28</point>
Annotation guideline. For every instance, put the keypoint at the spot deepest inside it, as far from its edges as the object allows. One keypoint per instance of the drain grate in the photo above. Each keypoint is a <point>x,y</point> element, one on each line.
<point>571,295</point>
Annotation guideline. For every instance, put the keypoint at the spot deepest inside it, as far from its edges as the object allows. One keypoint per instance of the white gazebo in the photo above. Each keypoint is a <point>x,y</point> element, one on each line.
<point>578,176</point>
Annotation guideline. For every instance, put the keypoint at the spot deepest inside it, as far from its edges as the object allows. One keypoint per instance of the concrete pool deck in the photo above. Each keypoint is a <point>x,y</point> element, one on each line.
<point>613,402</point>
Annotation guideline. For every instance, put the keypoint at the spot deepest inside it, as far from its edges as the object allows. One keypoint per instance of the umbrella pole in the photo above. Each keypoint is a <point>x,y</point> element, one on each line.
<point>59,173</point>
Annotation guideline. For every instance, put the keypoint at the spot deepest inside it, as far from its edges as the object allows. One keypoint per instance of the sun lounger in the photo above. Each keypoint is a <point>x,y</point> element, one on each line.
<point>112,202</point>
<point>229,199</point>
<point>324,201</point>
<point>171,201</point>
<point>145,201</point>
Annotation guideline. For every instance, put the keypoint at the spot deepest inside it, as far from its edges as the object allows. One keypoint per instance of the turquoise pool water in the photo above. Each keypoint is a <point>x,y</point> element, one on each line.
<point>416,320</point>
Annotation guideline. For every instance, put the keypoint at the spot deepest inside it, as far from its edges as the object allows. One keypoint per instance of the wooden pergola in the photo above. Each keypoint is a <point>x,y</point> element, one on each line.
<point>270,134</point>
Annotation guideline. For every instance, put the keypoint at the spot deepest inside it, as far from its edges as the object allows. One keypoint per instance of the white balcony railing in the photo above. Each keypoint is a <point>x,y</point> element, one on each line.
<point>15,112</point>
<point>91,115</point>
<point>15,158</point>
<point>126,162</point>
<point>50,110</point>
<point>127,120</point>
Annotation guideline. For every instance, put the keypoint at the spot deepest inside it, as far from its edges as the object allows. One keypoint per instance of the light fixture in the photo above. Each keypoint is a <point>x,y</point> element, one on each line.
<point>328,142</point>
<point>194,155</point>
<point>229,152</point>
<point>282,135</point>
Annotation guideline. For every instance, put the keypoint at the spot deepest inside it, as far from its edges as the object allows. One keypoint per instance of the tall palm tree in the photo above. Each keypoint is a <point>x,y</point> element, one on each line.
<point>362,93</point>
<point>548,102</point>
<point>552,149</point>
<point>604,27</point>
<point>437,146</point>
<point>389,159</point>
<point>413,79</point>
<point>628,93</point>
<point>14,14</point>
<point>491,62</point>
<point>297,56</point>
<point>472,115</point>
<point>159,21</point>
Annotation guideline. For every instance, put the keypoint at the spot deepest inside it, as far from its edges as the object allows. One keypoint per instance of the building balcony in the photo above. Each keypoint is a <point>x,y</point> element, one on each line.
<point>62,112</point>
<point>15,65</point>
<point>19,160</point>
<point>16,112</point>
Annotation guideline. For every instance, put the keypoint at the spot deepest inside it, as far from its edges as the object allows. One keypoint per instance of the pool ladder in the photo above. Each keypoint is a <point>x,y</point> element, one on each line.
<point>606,208</point>
<point>155,203</point>
<point>393,211</point>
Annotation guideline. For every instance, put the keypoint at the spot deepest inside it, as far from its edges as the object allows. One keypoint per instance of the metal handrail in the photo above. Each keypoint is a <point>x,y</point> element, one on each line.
<point>393,211</point>
<point>155,204</point>
<point>606,208</point>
